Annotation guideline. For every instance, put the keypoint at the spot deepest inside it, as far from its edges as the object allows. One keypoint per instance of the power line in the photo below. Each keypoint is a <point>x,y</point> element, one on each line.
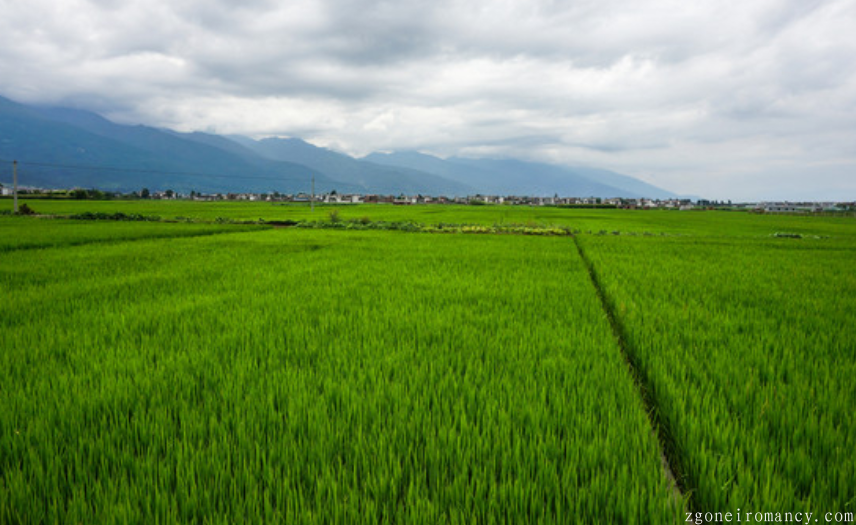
<point>150,171</point>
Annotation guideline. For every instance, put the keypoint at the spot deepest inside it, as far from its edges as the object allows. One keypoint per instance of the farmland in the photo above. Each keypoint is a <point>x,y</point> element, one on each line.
<point>21,232</point>
<point>750,361</point>
<point>195,371</point>
<point>582,219</point>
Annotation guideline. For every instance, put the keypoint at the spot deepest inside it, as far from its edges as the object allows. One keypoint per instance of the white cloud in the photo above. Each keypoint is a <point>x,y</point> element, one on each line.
<point>698,97</point>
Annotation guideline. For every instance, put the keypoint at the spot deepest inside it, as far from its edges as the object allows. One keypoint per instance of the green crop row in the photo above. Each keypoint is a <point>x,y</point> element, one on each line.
<point>747,349</point>
<point>318,376</point>
<point>27,232</point>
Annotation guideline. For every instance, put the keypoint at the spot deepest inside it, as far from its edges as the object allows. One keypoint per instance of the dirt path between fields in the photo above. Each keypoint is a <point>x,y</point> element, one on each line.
<point>657,427</point>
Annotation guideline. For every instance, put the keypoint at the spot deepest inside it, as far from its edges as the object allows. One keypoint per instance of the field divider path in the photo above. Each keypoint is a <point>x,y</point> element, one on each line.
<point>666,452</point>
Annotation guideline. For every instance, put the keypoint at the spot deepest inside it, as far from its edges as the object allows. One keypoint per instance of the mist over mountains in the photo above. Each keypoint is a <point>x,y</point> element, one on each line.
<point>517,177</point>
<point>65,148</point>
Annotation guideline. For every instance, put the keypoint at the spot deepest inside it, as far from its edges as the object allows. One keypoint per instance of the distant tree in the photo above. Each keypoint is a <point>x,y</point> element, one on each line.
<point>25,210</point>
<point>145,193</point>
<point>170,194</point>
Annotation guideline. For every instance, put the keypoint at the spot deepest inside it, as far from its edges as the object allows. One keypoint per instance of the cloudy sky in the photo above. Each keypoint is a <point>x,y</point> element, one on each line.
<point>727,100</point>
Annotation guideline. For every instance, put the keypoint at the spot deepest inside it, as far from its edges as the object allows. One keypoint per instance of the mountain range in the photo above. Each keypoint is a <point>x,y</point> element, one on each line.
<point>66,148</point>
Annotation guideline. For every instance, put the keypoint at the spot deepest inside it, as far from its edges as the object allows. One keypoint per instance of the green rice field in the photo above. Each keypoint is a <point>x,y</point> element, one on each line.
<point>748,349</point>
<point>582,219</point>
<point>207,372</point>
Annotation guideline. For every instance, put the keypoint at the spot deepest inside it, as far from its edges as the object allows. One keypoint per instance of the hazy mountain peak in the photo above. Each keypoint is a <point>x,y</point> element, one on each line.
<point>164,159</point>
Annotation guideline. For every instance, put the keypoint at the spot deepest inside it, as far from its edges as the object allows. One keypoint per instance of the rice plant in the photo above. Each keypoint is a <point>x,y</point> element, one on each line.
<point>747,348</point>
<point>27,232</point>
<point>318,376</point>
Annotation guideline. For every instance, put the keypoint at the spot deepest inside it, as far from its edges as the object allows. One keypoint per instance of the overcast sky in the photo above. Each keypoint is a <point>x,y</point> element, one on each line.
<point>727,100</point>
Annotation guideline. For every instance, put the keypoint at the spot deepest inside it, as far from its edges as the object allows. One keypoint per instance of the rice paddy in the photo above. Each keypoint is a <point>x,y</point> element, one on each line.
<point>748,350</point>
<point>221,373</point>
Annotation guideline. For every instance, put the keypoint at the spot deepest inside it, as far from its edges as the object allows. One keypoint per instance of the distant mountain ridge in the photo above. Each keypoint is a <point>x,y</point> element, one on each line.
<point>517,177</point>
<point>56,141</point>
<point>383,179</point>
<point>65,148</point>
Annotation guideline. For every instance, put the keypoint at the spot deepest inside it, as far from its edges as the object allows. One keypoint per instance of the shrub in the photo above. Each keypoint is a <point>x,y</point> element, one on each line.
<point>24,209</point>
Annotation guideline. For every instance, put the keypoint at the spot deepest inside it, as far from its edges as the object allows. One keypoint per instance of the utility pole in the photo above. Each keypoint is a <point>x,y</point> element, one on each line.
<point>15,184</point>
<point>313,194</point>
